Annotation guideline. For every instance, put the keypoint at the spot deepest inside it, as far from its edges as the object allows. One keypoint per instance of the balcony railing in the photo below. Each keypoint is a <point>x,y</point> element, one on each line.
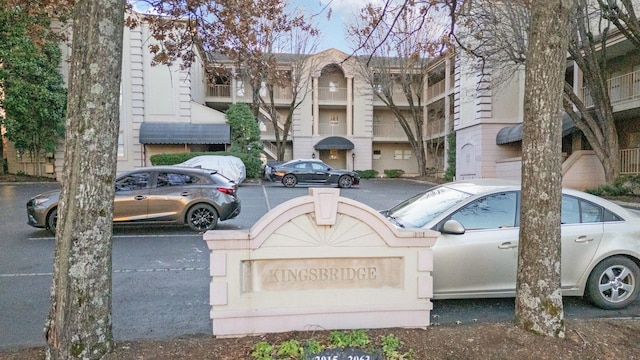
<point>389,131</point>
<point>332,129</point>
<point>332,93</point>
<point>436,89</point>
<point>218,90</point>
<point>630,161</point>
<point>621,88</point>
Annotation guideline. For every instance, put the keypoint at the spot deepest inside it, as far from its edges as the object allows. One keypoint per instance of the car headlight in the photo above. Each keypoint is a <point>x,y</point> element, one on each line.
<point>40,201</point>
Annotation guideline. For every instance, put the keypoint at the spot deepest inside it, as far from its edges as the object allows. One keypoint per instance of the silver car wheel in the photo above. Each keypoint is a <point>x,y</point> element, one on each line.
<point>289,180</point>
<point>202,217</point>
<point>345,181</point>
<point>613,284</point>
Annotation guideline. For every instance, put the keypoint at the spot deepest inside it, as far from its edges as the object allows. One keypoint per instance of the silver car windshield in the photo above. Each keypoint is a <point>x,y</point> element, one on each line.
<point>419,210</point>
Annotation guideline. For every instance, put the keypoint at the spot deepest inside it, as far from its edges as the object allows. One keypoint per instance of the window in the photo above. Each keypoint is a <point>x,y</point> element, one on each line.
<point>491,212</point>
<point>402,154</point>
<point>239,88</point>
<point>590,212</point>
<point>318,167</point>
<point>263,89</point>
<point>570,210</point>
<point>173,179</point>
<point>377,154</point>
<point>634,140</point>
<point>135,181</point>
<point>121,144</point>
<point>576,211</point>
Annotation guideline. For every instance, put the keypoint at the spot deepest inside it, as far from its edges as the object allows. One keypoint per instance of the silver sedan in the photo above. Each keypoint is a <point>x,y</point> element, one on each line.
<point>476,254</point>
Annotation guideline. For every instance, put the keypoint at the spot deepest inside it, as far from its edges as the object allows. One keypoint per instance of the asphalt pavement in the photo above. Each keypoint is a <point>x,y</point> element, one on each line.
<point>161,274</point>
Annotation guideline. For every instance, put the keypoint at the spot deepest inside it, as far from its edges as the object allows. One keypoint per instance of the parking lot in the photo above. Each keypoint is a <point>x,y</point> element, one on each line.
<point>160,274</point>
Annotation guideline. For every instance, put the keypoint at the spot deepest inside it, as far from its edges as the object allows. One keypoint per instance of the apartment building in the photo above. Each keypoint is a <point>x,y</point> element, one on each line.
<point>340,119</point>
<point>488,121</point>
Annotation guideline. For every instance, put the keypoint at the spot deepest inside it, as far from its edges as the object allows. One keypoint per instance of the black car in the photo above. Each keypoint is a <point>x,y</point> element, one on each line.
<point>313,172</point>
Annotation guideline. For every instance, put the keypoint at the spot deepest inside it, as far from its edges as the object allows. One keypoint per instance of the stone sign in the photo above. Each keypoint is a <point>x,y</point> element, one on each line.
<point>319,261</point>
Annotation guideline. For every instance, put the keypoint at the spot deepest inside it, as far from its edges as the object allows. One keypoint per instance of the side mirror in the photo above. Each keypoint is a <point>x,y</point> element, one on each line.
<point>452,227</point>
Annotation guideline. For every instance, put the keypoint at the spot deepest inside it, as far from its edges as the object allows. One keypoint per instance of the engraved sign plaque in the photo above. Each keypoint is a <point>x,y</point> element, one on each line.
<point>322,273</point>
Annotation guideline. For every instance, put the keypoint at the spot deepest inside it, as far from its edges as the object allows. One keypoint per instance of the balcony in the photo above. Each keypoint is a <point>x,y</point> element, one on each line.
<point>436,89</point>
<point>339,129</point>
<point>332,93</point>
<point>219,91</point>
<point>224,91</point>
<point>621,88</point>
<point>388,131</point>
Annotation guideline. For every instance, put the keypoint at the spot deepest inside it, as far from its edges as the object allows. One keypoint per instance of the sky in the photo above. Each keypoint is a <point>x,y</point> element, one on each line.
<point>333,33</point>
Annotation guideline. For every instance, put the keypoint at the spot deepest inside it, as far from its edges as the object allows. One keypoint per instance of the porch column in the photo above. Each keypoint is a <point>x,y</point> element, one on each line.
<point>350,106</point>
<point>316,108</point>
<point>234,83</point>
<point>447,110</point>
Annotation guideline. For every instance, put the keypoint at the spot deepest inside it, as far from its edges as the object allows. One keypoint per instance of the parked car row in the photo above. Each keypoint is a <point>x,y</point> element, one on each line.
<point>475,255</point>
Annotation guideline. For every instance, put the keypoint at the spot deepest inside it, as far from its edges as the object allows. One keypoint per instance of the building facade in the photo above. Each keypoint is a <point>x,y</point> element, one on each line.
<point>341,120</point>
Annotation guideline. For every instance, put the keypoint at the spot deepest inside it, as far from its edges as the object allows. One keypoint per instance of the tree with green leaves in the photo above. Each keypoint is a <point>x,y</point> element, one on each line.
<point>35,98</point>
<point>245,132</point>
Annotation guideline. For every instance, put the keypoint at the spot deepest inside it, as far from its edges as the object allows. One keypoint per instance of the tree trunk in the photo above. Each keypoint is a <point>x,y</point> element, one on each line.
<point>79,321</point>
<point>538,291</point>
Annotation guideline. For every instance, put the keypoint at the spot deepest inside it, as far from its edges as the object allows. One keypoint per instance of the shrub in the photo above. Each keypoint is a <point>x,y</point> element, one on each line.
<point>393,173</point>
<point>624,185</point>
<point>367,174</point>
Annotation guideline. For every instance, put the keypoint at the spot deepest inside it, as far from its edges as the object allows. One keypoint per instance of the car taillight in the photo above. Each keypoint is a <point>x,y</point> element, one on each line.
<point>227,190</point>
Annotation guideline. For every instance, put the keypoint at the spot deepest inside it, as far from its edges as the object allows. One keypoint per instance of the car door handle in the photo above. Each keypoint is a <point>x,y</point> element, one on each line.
<point>185,193</point>
<point>583,239</point>
<point>140,197</point>
<point>508,245</point>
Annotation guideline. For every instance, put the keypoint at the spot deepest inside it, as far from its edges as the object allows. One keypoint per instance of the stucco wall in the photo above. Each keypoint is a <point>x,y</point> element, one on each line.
<point>582,170</point>
<point>319,262</point>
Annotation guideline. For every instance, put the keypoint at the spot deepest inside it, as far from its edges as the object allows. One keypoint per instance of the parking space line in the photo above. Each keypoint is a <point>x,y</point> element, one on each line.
<point>122,271</point>
<point>25,275</point>
<point>124,236</point>
<point>266,198</point>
